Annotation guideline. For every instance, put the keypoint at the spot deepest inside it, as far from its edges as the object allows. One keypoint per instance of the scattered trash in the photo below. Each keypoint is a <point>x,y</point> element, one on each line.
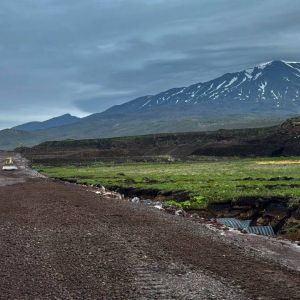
<point>9,168</point>
<point>244,225</point>
<point>135,200</point>
<point>261,230</point>
<point>180,212</point>
<point>225,223</point>
<point>105,193</point>
<point>158,206</point>
<point>234,223</point>
<point>148,202</point>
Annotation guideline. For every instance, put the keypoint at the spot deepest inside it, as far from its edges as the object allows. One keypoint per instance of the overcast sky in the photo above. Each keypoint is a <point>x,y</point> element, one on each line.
<point>83,56</point>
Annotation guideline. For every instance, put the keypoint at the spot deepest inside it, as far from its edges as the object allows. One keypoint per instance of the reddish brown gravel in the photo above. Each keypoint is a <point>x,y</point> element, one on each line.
<point>60,241</point>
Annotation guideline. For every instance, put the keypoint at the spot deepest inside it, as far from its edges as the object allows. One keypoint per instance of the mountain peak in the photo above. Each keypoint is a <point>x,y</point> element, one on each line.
<point>62,120</point>
<point>290,62</point>
<point>265,64</point>
<point>273,63</point>
<point>269,85</point>
<point>253,97</point>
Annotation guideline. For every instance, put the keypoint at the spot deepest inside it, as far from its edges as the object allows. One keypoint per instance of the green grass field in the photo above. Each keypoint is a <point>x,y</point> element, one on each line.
<point>210,180</point>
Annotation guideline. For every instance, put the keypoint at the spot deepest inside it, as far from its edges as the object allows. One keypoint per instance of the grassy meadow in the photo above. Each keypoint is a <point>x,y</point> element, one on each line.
<point>206,180</point>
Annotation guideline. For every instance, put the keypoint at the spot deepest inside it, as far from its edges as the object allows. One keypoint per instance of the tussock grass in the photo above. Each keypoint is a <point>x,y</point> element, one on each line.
<point>206,181</point>
<point>279,162</point>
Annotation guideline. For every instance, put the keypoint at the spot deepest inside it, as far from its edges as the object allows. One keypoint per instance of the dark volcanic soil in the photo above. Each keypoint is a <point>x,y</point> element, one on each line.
<point>60,241</point>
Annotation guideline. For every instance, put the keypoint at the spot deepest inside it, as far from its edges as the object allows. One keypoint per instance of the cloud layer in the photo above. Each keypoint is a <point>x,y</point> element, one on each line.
<point>59,56</point>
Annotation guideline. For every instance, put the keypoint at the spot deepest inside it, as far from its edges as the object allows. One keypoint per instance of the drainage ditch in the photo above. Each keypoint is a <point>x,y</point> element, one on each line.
<point>266,216</point>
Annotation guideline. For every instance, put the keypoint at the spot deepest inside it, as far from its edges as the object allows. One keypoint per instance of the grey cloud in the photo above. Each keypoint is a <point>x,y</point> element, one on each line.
<point>59,56</point>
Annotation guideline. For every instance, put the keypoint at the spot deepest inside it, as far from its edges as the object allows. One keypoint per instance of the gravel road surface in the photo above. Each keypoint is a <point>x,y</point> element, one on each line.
<point>62,241</point>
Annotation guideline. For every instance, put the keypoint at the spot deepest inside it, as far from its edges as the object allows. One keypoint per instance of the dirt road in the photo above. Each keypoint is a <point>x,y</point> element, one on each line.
<point>62,241</point>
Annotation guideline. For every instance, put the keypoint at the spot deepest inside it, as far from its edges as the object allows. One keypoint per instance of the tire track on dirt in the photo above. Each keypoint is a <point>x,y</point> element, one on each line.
<point>60,241</point>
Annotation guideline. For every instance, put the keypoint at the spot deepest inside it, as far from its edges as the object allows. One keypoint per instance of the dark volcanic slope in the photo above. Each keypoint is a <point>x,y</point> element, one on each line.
<point>272,141</point>
<point>59,241</point>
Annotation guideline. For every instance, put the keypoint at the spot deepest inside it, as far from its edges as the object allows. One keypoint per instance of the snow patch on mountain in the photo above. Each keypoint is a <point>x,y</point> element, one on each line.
<point>262,86</point>
<point>274,83</point>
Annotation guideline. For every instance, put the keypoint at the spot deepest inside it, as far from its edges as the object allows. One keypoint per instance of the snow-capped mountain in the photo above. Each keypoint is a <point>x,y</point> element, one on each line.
<point>272,85</point>
<point>264,95</point>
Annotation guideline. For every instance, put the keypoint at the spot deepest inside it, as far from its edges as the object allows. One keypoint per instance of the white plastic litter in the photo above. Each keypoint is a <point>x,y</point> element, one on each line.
<point>9,168</point>
<point>179,212</point>
<point>148,202</point>
<point>158,206</point>
<point>135,200</point>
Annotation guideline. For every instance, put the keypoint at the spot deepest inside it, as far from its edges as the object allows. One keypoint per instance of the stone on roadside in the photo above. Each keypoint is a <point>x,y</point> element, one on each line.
<point>135,200</point>
<point>180,212</point>
<point>158,206</point>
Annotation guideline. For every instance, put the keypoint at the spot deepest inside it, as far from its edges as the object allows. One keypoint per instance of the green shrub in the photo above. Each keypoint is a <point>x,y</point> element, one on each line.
<point>195,203</point>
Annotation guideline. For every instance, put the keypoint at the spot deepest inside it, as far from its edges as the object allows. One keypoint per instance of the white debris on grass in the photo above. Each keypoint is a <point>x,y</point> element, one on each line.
<point>135,200</point>
<point>158,206</point>
<point>180,212</point>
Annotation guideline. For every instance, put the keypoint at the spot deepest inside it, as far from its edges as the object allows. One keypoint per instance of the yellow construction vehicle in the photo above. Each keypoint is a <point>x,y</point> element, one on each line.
<point>9,164</point>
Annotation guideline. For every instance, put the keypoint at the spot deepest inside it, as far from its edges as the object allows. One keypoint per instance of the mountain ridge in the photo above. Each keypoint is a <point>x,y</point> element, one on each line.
<point>280,140</point>
<point>263,95</point>
<point>234,86</point>
<point>65,119</point>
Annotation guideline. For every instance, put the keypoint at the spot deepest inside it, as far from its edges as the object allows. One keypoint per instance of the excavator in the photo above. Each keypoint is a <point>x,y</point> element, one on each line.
<point>9,165</point>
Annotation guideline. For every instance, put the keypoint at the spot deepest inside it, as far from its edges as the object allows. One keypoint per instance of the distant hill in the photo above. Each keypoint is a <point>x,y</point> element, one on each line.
<point>261,96</point>
<point>51,123</point>
<point>281,140</point>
